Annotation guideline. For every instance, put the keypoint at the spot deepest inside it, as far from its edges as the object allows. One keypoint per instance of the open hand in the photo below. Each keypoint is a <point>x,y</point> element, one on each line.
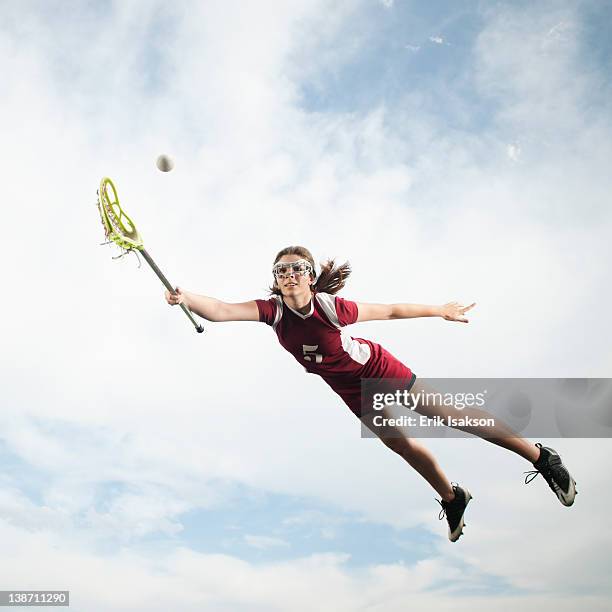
<point>453,311</point>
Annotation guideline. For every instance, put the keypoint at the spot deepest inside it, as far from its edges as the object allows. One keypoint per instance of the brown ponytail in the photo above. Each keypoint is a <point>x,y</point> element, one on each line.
<point>332,278</point>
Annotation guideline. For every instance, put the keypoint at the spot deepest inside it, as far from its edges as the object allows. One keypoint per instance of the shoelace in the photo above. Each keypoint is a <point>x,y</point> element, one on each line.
<point>446,506</point>
<point>547,471</point>
<point>443,511</point>
<point>531,475</point>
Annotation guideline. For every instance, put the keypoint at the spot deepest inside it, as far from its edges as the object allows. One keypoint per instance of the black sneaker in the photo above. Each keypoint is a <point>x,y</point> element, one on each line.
<point>454,511</point>
<point>549,464</point>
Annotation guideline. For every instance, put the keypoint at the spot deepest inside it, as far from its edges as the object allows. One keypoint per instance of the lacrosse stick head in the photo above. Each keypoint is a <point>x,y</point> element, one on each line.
<point>118,227</point>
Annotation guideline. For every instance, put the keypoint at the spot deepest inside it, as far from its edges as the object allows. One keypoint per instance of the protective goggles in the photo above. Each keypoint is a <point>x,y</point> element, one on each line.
<point>283,270</point>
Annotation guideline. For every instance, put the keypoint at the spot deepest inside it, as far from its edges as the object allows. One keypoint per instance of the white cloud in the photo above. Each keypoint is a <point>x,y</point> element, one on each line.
<point>438,40</point>
<point>181,579</point>
<point>559,32</point>
<point>262,542</point>
<point>513,151</point>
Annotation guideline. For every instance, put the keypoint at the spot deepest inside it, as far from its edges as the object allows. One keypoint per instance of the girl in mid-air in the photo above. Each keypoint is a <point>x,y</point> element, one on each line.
<point>309,321</point>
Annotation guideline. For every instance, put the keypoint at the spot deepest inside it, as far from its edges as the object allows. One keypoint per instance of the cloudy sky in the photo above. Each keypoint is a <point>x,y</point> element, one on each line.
<point>450,151</point>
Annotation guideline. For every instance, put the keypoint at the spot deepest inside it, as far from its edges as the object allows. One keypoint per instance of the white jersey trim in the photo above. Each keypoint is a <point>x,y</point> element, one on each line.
<point>356,350</point>
<point>328,304</point>
<point>278,313</point>
<point>299,314</point>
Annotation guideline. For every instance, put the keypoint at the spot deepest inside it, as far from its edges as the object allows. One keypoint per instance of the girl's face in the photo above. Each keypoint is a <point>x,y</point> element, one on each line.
<point>293,280</point>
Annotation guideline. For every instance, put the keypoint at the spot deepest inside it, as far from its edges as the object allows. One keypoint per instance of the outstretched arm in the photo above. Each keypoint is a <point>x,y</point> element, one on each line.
<point>453,311</point>
<point>212,309</point>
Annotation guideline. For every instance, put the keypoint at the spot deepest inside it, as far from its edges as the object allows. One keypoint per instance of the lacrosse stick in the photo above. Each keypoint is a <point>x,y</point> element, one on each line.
<point>120,229</point>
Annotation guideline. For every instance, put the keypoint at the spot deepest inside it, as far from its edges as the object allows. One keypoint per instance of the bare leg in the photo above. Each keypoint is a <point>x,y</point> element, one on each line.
<point>420,458</point>
<point>499,434</point>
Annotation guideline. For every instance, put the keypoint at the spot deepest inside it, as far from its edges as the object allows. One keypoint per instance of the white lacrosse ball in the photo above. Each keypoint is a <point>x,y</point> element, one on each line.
<point>165,163</point>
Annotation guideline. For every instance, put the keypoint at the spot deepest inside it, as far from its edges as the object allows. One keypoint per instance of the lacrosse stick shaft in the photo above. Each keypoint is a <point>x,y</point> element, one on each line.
<point>170,288</point>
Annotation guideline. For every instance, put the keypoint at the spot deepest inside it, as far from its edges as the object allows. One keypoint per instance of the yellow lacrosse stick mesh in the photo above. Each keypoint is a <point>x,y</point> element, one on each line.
<point>118,227</point>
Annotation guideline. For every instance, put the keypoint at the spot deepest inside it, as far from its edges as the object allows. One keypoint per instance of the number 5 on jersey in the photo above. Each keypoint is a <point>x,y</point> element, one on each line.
<point>309,353</point>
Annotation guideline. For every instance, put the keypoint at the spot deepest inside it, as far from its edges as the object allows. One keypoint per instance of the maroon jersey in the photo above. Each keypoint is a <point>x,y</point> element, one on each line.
<point>320,342</point>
